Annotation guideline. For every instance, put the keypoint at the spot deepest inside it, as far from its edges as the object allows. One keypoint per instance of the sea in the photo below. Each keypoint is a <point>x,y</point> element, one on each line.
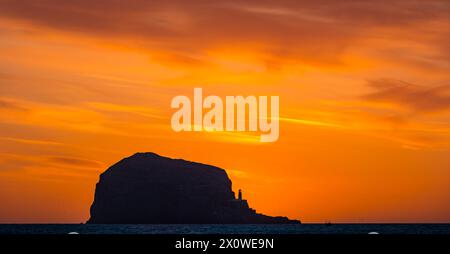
<point>225,229</point>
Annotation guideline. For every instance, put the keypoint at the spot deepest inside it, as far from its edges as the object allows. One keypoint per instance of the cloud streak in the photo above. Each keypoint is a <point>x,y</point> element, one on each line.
<point>415,97</point>
<point>318,31</point>
<point>74,162</point>
<point>31,141</point>
<point>10,105</point>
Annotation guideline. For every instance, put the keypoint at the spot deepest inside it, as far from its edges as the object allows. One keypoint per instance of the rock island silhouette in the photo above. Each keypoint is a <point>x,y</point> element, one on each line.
<point>150,189</point>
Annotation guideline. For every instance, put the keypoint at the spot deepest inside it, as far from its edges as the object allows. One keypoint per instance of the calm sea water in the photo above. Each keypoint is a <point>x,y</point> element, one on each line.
<point>226,229</point>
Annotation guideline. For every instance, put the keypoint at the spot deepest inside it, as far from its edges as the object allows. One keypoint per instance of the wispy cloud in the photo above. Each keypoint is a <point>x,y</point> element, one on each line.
<point>12,162</point>
<point>140,110</point>
<point>74,162</point>
<point>156,24</point>
<point>8,104</point>
<point>415,97</point>
<point>32,141</point>
<point>310,122</point>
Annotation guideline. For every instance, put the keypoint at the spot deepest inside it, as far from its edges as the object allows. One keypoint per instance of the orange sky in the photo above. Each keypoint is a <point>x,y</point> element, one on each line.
<point>364,93</point>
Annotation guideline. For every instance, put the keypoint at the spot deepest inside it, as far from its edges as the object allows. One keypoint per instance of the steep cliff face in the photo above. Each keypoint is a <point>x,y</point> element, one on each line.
<point>148,188</point>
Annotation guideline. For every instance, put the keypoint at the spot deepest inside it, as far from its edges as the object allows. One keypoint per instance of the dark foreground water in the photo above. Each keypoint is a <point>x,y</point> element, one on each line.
<point>226,229</point>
